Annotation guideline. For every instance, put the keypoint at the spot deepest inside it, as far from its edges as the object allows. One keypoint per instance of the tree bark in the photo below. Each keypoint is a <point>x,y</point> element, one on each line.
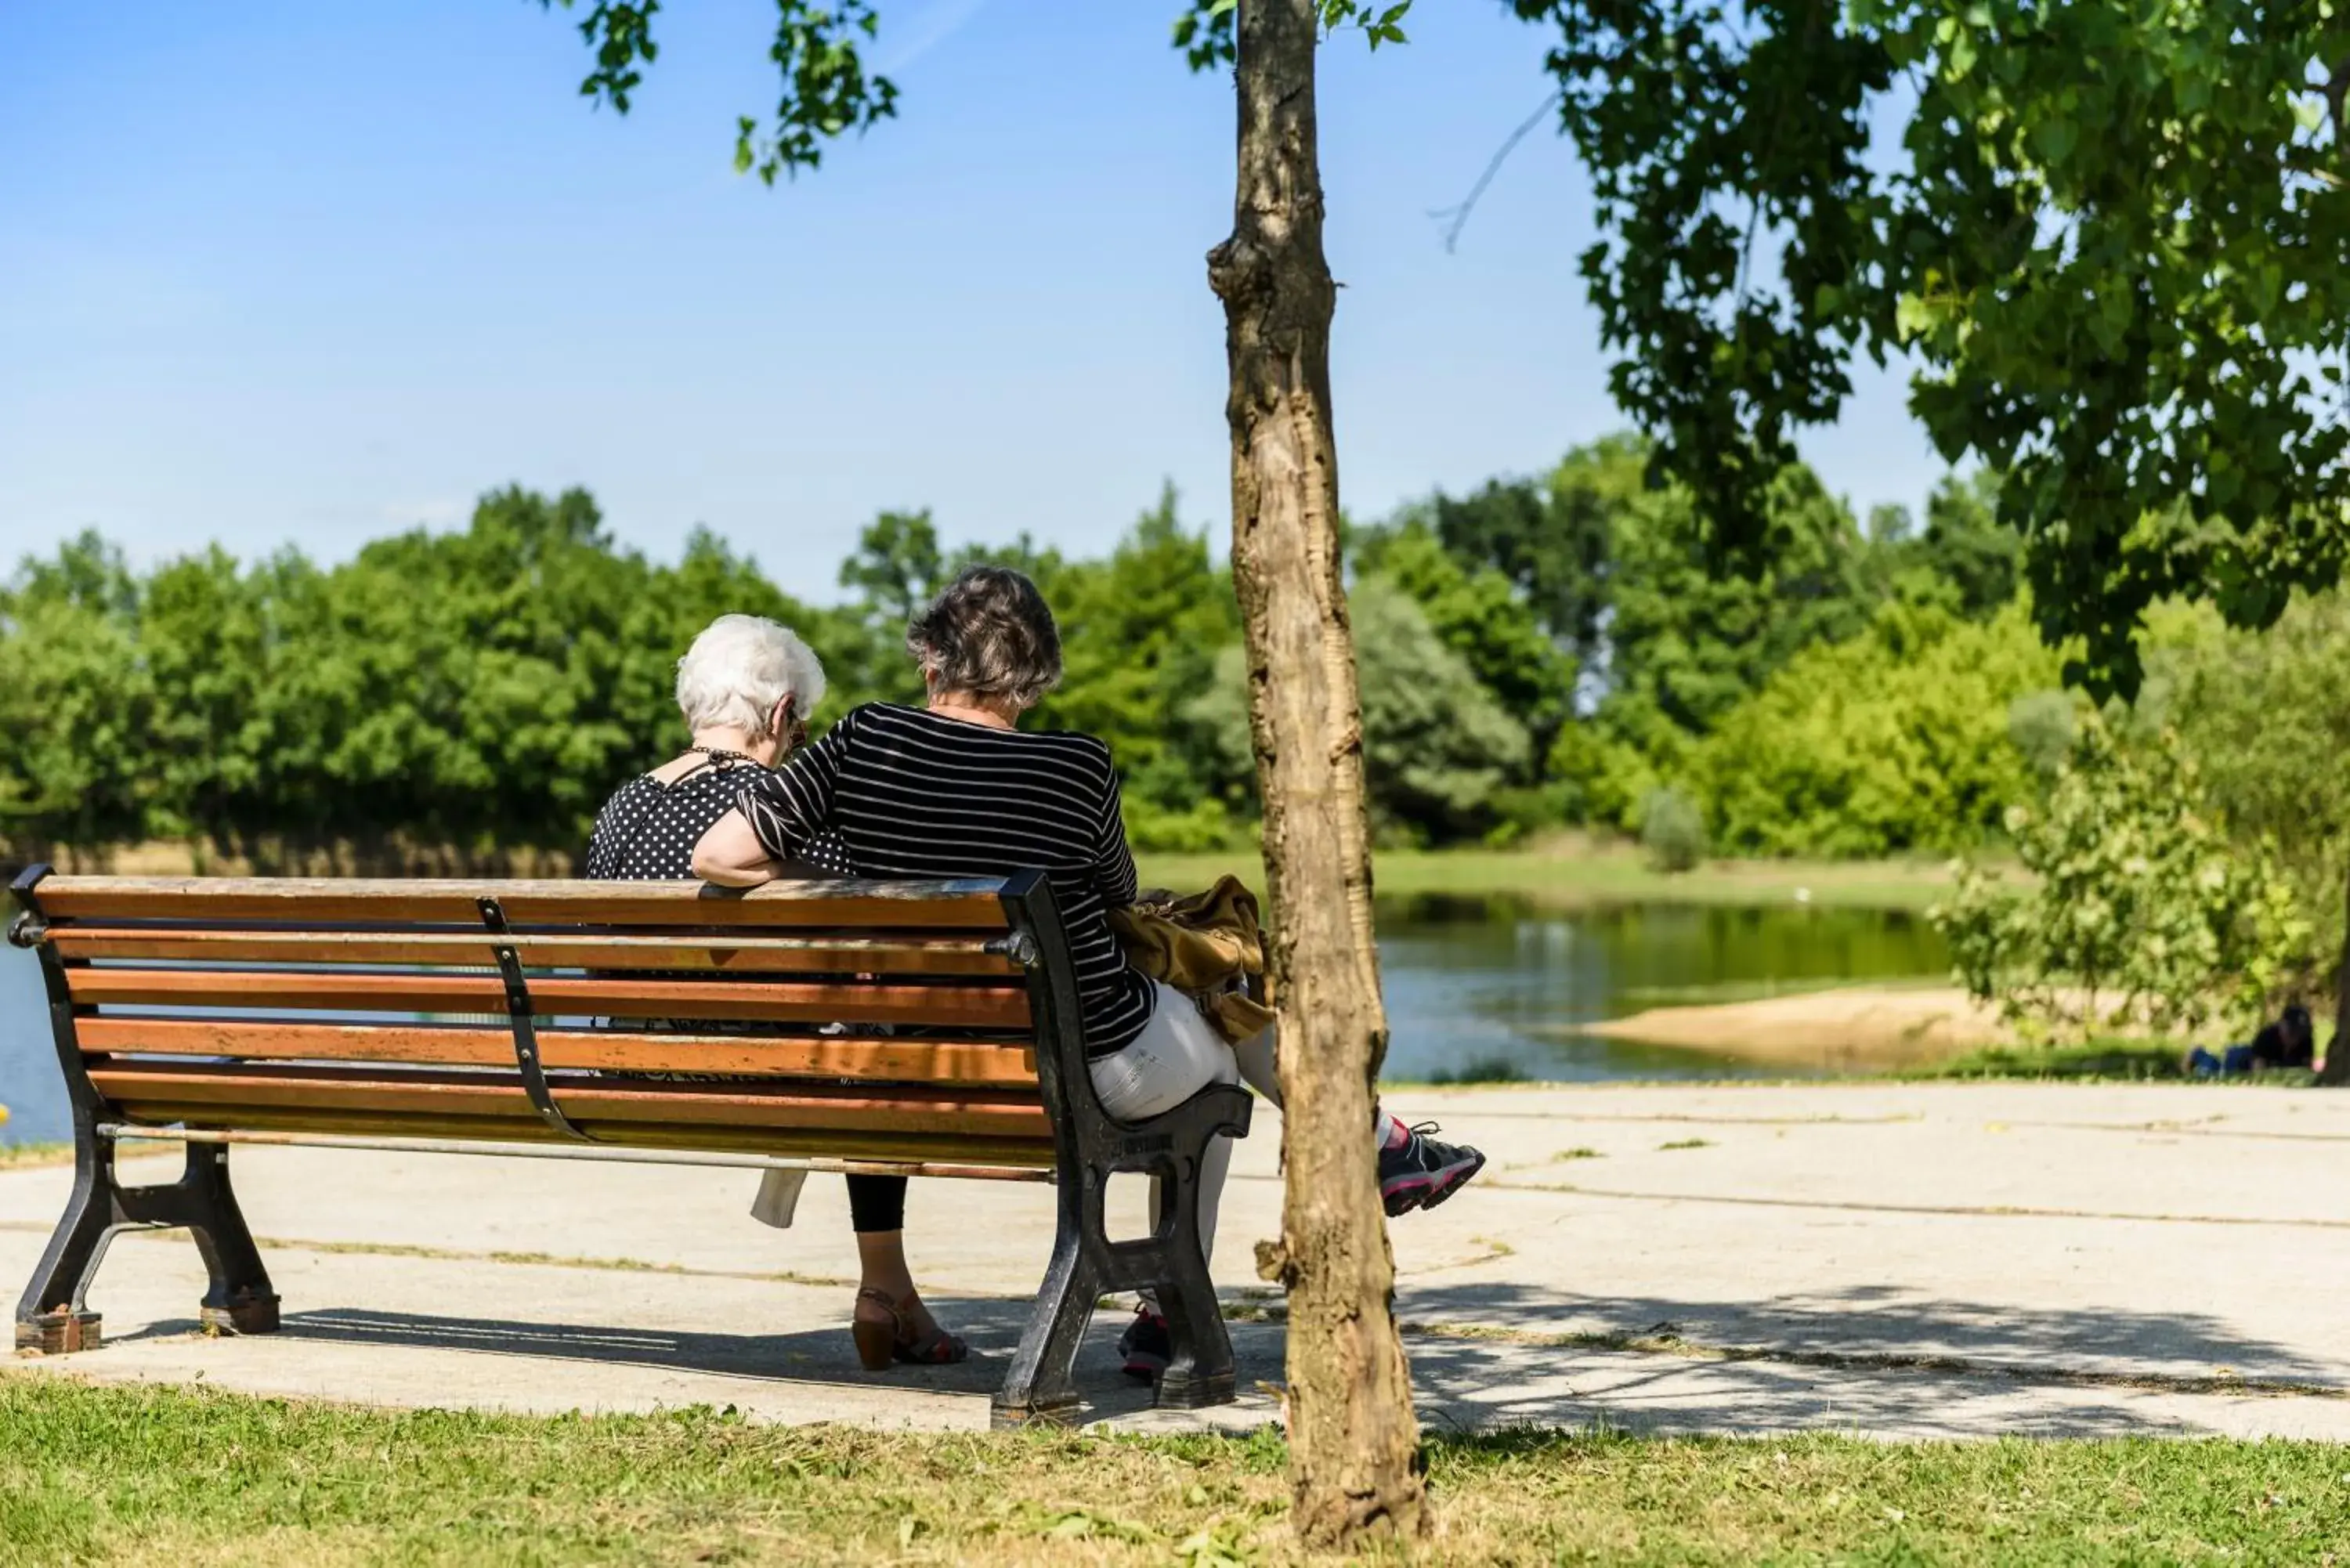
<point>2337,1052</point>
<point>1353,1443</point>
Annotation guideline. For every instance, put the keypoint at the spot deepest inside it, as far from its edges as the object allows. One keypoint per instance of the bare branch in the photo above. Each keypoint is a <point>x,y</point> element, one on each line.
<point>1456,218</point>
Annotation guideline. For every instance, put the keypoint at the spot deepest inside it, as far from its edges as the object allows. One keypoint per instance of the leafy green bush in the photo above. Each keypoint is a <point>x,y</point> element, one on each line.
<point>2043,726</point>
<point>1204,829</point>
<point>1672,831</point>
<point>1438,747</point>
<point>1523,813</point>
<point>1606,773</point>
<point>1895,741</point>
<point>2141,914</point>
<point>2267,718</point>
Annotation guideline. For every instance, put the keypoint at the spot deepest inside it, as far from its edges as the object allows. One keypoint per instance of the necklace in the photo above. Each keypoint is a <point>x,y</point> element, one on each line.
<point>721,754</point>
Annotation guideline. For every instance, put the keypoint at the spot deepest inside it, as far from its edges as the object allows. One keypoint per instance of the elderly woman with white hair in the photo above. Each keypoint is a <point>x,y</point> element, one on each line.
<point>746,688</point>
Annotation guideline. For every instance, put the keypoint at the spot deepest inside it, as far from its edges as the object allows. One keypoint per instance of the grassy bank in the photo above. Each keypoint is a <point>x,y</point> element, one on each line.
<point>156,1475</point>
<point>2098,1060</point>
<point>1570,873</point>
<point>1567,877</point>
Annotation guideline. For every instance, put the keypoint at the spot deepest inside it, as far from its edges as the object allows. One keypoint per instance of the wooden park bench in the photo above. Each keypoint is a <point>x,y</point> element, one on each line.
<point>516,1017</point>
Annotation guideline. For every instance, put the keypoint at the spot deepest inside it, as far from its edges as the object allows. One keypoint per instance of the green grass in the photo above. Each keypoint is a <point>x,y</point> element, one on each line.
<point>1568,877</point>
<point>2099,1060</point>
<point>2128,1061</point>
<point>148,1474</point>
<point>1481,1070</point>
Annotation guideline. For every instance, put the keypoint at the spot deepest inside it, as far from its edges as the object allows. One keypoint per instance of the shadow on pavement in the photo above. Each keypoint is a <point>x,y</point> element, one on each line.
<point>1870,1360</point>
<point>1887,1322</point>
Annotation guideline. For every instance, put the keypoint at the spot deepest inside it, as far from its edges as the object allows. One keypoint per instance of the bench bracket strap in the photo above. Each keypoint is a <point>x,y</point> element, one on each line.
<point>525,1029</point>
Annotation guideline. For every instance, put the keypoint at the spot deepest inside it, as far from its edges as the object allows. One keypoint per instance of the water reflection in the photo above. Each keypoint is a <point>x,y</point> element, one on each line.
<point>1475,988</point>
<point>1481,989</point>
<point>29,1083</point>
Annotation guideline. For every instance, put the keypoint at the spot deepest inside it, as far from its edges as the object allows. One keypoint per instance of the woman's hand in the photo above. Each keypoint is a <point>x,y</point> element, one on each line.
<point>730,856</point>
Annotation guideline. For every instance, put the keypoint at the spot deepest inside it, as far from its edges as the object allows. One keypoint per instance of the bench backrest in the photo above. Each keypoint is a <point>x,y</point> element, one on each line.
<point>891,1021</point>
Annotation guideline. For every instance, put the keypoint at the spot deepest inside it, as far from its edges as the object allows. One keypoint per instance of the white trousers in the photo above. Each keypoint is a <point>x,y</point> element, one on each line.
<point>1177,1054</point>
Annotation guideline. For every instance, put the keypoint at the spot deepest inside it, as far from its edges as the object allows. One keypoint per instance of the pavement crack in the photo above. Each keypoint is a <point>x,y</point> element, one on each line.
<point>1494,1251</point>
<point>2190,1130</point>
<point>1956,1210</point>
<point>1484,1113</point>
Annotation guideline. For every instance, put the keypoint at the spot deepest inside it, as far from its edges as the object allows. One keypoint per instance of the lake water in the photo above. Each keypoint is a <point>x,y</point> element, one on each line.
<point>1474,989</point>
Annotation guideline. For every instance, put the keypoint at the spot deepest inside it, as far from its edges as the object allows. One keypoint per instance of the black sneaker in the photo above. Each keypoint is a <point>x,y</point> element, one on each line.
<point>1147,1345</point>
<point>1420,1172</point>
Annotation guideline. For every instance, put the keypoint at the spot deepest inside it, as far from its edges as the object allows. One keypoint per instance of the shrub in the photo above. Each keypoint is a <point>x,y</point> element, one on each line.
<point>1895,741</point>
<point>1672,831</point>
<point>2041,727</point>
<point>2141,913</point>
<point>1199,829</point>
<point>1527,813</point>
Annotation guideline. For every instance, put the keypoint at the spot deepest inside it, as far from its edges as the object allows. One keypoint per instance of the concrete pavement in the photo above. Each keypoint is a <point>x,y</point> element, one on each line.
<point>1904,1259</point>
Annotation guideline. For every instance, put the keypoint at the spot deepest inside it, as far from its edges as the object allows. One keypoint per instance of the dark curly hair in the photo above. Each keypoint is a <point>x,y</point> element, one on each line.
<point>989,633</point>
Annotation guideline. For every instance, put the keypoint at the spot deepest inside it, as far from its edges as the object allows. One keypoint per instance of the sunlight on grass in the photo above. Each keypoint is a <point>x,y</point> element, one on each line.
<point>148,1474</point>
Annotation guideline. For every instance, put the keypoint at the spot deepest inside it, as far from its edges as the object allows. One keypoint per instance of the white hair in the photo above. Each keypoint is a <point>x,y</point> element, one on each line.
<point>740,668</point>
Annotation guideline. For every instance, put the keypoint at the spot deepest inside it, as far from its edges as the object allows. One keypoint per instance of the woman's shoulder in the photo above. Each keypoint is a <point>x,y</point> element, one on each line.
<point>628,789</point>
<point>1085,755</point>
<point>1090,752</point>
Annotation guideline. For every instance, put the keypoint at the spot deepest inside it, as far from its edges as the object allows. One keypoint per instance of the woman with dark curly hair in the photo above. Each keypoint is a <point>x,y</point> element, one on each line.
<point>956,789</point>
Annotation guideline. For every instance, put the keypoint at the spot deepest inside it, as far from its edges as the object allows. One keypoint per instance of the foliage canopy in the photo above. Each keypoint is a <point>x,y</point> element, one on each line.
<point>2113,239</point>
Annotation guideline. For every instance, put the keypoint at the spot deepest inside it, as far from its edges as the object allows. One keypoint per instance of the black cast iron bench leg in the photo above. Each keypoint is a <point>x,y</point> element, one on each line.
<point>1200,1368</point>
<point>1041,1385</point>
<point>54,1315</point>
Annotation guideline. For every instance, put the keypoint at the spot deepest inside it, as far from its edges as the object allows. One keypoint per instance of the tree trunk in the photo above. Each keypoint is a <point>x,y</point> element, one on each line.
<point>2337,1052</point>
<point>1354,1444</point>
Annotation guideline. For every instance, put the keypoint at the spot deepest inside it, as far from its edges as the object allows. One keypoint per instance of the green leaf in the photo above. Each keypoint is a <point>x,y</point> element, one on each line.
<point>2056,138</point>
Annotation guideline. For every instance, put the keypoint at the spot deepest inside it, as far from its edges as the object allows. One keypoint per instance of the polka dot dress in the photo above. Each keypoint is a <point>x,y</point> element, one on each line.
<point>647,831</point>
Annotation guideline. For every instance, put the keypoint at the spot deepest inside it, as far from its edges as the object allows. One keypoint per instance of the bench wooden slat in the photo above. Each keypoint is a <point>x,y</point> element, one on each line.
<point>960,1007</point>
<point>941,1113</point>
<point>968,905</point>
<point>372,1013</point>
<point>904,1061</point>
<point>899,955</point>
<point>1010,1153</point>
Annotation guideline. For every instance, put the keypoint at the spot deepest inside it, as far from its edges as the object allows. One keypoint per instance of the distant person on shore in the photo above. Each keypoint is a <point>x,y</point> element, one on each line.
<point>746,688</point>
<point>957,789</point>
<point>2289,1041</point>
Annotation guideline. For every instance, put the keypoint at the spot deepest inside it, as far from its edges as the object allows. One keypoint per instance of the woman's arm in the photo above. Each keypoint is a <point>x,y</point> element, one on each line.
<point>1113,861</point>
<point>777,817</point>
<point>730,855</point>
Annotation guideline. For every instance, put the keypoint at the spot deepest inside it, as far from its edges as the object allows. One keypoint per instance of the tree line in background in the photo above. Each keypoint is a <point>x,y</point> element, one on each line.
<point>1540,653</point>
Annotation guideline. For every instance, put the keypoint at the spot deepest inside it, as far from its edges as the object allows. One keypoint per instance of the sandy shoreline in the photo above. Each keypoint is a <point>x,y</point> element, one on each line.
<point>1858,1027</point>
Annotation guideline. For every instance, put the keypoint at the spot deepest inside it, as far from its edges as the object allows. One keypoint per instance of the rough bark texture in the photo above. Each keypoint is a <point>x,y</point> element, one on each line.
<point>1353,1439</point>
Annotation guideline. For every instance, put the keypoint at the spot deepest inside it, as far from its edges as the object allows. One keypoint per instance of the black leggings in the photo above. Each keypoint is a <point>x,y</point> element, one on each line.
<point>876,1203</point>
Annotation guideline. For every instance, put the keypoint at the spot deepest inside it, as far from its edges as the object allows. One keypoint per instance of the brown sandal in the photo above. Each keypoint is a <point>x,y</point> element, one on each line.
<point>881,1344</point>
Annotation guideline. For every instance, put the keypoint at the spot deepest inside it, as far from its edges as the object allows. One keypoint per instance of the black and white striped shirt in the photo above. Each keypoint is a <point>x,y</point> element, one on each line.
<point>911,794</point>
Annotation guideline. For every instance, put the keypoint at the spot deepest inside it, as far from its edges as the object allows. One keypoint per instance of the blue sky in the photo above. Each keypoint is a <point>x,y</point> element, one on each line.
<point>308,273</point>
